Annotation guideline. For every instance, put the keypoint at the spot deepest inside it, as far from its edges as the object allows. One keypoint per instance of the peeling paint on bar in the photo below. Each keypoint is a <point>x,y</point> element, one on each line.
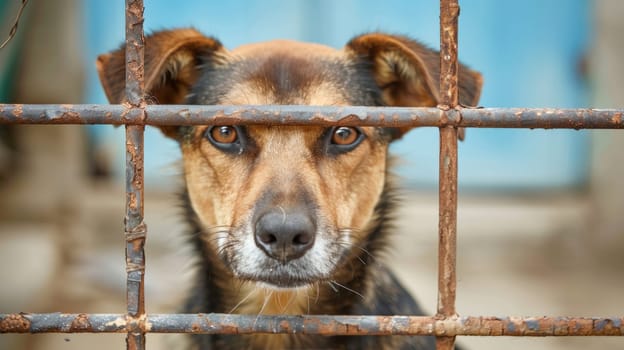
<point>533,118</point>
<point>314,325</point>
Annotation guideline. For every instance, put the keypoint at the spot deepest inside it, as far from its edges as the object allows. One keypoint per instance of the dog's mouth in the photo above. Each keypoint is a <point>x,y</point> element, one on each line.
<point>284,277</point>
<point>292,274</point>
<point>249,261</point>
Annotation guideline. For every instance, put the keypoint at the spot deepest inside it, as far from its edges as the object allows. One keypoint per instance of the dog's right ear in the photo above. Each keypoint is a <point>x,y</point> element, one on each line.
<point>172,61</point>
<point>408,73</point>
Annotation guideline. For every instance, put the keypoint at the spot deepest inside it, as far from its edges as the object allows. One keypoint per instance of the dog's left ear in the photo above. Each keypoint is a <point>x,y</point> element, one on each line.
<point>408,73</point>
<point>172,66</point>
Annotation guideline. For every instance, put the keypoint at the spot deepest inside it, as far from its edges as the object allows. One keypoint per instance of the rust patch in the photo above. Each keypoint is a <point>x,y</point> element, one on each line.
<point>561,326</point>
<point>15,323</point>
<point>146,325</point>
<point>491,326</point>
<point>81,322</point>
<point>285,325</point>
<point>351,118</point>
<point>71,116</point>
<point>18,111</point>
<point>132,200</point>
<point>229,328</point>
<point>581,326</point>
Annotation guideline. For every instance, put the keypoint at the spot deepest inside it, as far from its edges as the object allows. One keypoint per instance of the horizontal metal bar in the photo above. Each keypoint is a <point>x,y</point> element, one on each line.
<point>319,325</point>
<point>546,118</point>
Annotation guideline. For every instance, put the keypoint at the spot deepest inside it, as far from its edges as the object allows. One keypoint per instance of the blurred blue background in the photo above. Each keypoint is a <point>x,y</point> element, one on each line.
<point>530,53</point>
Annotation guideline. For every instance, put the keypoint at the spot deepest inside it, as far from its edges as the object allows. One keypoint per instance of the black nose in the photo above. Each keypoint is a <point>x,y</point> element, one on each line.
<point>285,235</point>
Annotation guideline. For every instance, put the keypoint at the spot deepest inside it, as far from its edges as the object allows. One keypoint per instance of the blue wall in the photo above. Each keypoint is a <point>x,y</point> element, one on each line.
<point>528,52</point>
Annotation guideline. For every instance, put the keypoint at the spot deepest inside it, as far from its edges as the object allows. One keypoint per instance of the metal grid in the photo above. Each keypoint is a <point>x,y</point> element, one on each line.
<point>448,117</point>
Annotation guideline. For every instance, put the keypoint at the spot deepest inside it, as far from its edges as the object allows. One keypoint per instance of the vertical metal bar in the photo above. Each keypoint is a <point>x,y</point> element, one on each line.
<point>135,228</point>
<point>447,246</point>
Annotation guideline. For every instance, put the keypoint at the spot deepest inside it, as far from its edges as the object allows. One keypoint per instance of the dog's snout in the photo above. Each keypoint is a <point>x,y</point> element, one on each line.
<point>285,235</point>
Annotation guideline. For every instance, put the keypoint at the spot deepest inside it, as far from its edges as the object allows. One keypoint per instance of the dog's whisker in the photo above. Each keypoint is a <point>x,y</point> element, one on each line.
<point>227,246</point>
<point>349,245</point>
<point>318,292</point>
<point>267,295</point>
<point>365,251</point>
<point>242,301</point>
<point>361,260</point>
<point>292,298</point>
<point>278,299</point>
<point>221,228</point>
<point>349,230</point>
<point>331,284</point>
<point>358,246</point>
<point>346,288</point>
<point>210,238</point>
<point>214,233</point>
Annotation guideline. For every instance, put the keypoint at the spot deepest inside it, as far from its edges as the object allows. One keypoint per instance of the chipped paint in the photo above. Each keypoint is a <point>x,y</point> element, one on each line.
<point>119,322</point>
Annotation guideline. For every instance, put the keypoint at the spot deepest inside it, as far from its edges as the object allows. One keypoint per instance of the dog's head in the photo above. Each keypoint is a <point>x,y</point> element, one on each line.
<point>282,205</point>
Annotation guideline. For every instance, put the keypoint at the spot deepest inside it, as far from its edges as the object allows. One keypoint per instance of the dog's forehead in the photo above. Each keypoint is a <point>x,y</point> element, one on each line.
<point>287,72</point>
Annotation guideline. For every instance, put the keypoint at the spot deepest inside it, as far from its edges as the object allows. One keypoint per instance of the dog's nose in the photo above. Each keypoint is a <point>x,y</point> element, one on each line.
<point>285,235</point>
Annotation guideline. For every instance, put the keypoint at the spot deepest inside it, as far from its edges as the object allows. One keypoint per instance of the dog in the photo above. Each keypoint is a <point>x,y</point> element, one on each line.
<point>290,219</point>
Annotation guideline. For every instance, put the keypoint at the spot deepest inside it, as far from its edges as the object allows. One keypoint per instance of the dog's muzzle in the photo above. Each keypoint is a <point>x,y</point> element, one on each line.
<point>285,234</point>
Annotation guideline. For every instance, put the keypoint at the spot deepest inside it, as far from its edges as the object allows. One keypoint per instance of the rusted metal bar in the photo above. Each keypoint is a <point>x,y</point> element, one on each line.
<point>135,49</point>
<point>541,118</point>
<point>546,118</point>
<point>319,325</point>
<point>447,226</point>
<point>449,66</point>
<point>135,228</point>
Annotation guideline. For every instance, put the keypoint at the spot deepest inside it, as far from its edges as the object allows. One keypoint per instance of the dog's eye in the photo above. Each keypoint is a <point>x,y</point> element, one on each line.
<point>227,138</point>
<point>342,139</point>
<point>345,136</point>
<point>223,134</point>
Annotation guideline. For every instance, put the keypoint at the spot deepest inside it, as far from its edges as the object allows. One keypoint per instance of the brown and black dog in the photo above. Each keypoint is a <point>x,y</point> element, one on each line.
<point>285,219</point>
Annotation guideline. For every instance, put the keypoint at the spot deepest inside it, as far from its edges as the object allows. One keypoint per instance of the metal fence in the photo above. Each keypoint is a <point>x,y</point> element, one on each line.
<point>448,117</point>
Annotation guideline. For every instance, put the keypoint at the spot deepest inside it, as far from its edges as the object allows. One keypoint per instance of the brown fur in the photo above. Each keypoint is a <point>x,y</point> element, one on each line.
<point>283,180</point>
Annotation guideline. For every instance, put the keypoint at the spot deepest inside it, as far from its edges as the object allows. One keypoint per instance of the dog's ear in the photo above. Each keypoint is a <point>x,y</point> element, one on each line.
<point>172,60</point>
<point>408,73</point>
